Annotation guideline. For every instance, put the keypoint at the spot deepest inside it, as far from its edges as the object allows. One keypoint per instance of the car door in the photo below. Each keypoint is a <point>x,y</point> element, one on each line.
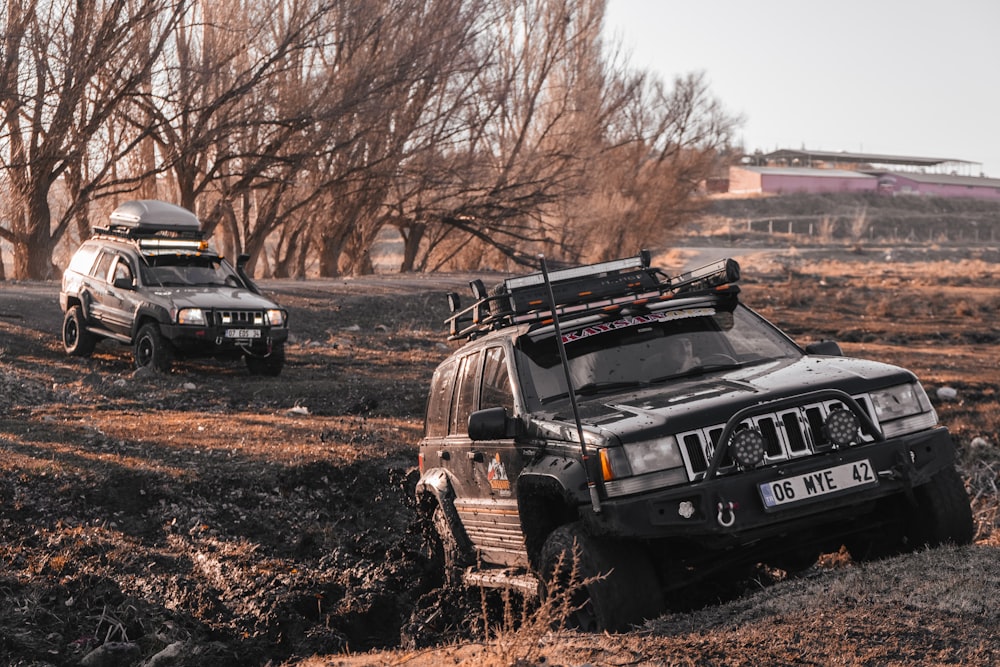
<point>489,509</point>
<point>119,306</point>
<point>98,294</point>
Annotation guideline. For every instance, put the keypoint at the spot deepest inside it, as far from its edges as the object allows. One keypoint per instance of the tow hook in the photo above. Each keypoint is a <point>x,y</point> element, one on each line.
<point>727,513</point>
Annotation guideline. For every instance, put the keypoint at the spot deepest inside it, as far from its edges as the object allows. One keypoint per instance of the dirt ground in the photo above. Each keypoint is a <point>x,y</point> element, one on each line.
<point>207,516</point>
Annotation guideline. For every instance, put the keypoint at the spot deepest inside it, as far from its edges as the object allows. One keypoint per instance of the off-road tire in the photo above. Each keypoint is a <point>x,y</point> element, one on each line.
<point>451,553</point>
<point>76,339</point>
<point>270,365</point>
<point>152,349</point>
<point>943,514</point>
<point>605,585</point>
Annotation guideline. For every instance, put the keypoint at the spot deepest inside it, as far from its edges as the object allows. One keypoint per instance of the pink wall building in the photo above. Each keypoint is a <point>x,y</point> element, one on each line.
<point>790,180</point>
<point>749,180</point>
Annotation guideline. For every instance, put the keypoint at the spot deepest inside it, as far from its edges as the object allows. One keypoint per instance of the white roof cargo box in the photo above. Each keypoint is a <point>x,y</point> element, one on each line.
<point>150,216</point>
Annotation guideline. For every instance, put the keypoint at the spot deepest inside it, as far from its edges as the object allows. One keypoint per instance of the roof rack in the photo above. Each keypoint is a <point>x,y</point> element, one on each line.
<point>602,288</point>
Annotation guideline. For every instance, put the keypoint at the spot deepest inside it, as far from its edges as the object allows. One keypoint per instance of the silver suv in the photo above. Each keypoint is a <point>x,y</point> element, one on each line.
<point>150,280</point>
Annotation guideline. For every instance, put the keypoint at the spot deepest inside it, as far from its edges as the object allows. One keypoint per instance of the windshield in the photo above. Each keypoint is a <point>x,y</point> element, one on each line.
<point>648,349</point>
<point>180,270</point>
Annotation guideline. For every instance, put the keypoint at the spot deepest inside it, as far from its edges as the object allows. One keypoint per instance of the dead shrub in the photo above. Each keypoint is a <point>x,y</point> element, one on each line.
<point>520,637</point>
<point>881,308</point>
<point>965,309</point>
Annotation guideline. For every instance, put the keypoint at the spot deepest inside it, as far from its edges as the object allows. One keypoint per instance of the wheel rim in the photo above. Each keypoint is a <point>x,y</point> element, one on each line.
<point>144,350</point>
<point>70,333</point>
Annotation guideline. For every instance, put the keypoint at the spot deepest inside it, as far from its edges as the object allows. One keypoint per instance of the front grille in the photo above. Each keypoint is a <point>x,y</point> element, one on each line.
<point>788,434</point>
<point>239,318</point>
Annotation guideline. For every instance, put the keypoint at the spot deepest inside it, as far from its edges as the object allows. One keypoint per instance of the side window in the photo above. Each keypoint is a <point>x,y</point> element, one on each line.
<point>465,393</point>
<point>103,265</point>
<point>122,270</point>
<point>439,401</point>
<point>83,260</point>
<point>496,391</point>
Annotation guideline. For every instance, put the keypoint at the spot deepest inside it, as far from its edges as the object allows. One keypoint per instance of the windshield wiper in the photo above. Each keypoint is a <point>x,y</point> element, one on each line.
<point>592,388</point>
<point>700,369</point>
<point>597,387</point>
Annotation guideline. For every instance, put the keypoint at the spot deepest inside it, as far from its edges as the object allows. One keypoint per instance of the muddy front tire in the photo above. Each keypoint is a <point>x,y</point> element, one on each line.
<point>151,349</point>
<point>597,584</point>
<point>943,514</point>
<point>77,341</point>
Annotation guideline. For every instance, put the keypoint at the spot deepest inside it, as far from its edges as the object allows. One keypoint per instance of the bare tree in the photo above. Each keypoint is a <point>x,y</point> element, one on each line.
<point>484,131</point>
<point>529,129</point>
<point>392,63</point>
<point>67,67</point>
<point>660,149</point>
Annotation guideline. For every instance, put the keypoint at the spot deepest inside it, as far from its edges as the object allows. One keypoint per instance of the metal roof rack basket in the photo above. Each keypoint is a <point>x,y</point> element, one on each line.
<point>605,287</point>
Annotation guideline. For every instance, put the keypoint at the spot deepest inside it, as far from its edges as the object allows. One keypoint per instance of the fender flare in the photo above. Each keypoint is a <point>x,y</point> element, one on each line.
<point>434,489</point>
<point>83,299</point>
<point>147,312</point>
<point>571,475</point>
<point>547,500</point>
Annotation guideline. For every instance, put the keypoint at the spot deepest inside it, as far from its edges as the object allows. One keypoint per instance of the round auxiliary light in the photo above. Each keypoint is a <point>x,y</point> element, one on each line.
<point>747,447</point>
<point>842,427</point>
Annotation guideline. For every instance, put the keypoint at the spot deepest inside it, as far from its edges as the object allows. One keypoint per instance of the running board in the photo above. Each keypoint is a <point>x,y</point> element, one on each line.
<point>106,333</point>
<point>519,580</point>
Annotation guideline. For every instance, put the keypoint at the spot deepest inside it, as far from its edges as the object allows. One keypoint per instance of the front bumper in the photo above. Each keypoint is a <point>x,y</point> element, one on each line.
<point>214,340</point>
<point>729,510</point>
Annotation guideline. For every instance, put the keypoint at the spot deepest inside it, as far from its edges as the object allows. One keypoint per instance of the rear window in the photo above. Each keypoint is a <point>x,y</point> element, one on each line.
<point>83,260</point>
<point>439,401</point>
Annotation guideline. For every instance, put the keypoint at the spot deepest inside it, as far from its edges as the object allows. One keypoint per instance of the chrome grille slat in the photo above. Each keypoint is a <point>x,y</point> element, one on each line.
<point>239,318</point>
<point>788,434</point>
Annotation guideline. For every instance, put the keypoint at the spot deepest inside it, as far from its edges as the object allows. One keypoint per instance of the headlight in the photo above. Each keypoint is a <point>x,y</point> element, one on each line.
<point>900,401</point>
<point>903,409</point>
<point>275,317</point>
<point>639,467</point>
<point>194,316</point>
<point>653,455</point>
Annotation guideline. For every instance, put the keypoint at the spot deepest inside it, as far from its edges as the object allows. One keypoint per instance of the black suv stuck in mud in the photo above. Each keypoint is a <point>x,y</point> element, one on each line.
<point>655,430</point>
<point>150,280</point>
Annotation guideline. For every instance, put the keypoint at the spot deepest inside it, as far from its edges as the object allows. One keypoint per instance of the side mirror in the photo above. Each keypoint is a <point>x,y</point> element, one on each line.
<point>123,283</point>
<point>241,261</point>
<point>492,424</point>
<point>829,348</point>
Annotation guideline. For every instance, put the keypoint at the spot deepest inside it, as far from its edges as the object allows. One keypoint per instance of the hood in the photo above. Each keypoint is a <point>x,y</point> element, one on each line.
<point>212,298</point>
<point>710,399</point>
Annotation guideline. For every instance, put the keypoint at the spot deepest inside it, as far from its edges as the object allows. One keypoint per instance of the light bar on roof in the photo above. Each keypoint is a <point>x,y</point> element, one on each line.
<point>173,244</point>
<point>575,272</point>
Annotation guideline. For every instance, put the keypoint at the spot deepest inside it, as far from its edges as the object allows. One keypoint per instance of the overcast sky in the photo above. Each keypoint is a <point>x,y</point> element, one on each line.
<point>901,77</point>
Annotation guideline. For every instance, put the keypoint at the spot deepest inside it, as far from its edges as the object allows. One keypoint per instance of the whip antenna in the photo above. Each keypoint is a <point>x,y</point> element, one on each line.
<point>595,500</point>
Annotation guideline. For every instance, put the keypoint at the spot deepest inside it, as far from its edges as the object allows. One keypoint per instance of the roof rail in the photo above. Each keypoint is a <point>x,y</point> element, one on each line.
<point>135,233</point>
<point>602,288</point>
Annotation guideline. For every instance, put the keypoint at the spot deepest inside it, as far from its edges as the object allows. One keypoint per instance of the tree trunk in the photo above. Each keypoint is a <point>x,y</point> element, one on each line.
<point>33,257</point>
<point>330,250</point>
<point>413,234</point>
